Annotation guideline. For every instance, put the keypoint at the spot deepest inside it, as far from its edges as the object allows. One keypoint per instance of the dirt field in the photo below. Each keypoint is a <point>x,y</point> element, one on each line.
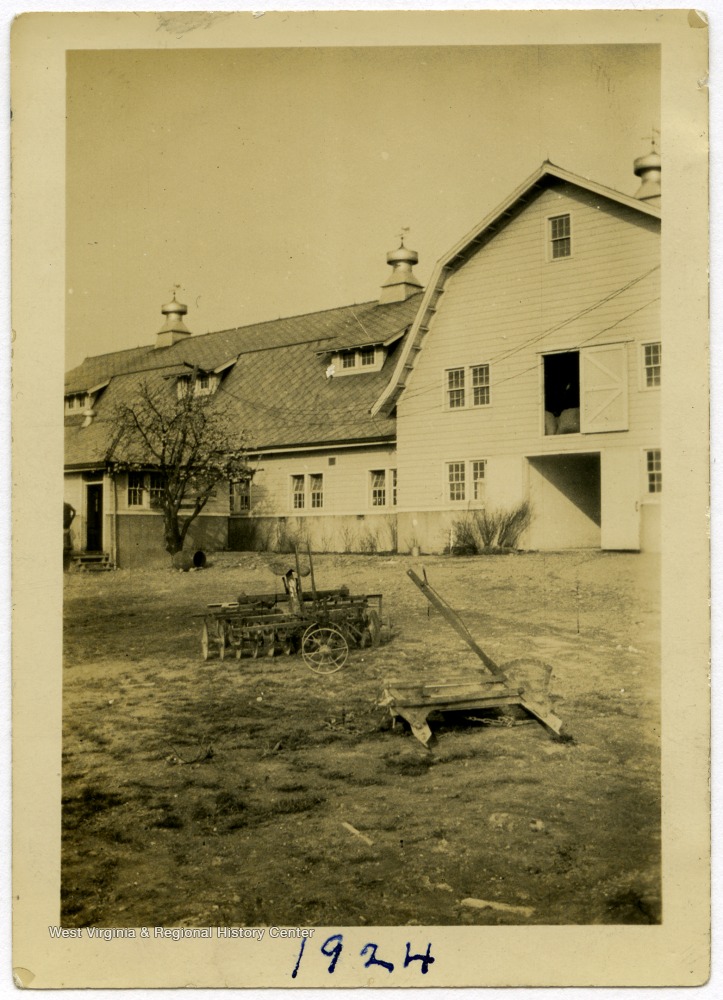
<point>215,793</point>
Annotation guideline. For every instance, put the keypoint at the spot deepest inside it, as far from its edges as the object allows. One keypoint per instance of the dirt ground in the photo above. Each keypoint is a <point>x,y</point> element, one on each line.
<point>215,793</point>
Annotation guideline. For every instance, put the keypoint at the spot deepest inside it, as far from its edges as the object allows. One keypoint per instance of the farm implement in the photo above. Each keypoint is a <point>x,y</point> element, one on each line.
<point>320,624</point>
<point>523,682</point>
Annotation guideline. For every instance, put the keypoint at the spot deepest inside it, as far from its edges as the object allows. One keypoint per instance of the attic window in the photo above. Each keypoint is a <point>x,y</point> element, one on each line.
<point>76,401</point>
<point>205,384</point>
<point>560,237</point>
<point>353,361</point>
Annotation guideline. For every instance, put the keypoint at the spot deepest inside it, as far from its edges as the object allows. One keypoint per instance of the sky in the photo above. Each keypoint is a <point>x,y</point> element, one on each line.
<point>272,182</point>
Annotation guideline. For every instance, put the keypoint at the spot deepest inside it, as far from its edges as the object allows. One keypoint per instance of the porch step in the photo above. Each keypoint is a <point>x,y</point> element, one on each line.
<point>93,561</point>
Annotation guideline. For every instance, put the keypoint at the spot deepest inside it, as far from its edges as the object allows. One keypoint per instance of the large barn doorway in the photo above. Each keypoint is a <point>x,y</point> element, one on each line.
<point>94,518</point>
<point>565,496</point>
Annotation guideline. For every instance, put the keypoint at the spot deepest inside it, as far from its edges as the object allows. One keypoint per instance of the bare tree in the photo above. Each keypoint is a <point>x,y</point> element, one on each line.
<point>187,439</point>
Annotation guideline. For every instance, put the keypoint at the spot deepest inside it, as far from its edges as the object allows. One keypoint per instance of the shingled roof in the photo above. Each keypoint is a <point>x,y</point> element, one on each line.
<point>277,391</point>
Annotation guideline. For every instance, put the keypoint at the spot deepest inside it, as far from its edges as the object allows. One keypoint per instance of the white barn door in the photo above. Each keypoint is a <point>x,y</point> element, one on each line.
<point>604,389</point>
<point>619,498</point>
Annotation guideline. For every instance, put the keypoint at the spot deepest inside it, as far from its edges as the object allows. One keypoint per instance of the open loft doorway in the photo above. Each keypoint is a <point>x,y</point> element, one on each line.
<point>562,392</point>
<point>586,391</point>
<point>565,497</point>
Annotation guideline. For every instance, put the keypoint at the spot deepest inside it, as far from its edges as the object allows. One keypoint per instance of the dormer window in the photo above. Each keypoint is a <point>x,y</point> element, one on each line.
<point>205,384</point>
<point>75,402</point>
<point>354,361</point>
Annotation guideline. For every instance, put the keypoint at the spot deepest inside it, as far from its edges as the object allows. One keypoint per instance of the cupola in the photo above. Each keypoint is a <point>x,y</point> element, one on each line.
<point>174,329</point>
<point>401,283</point>
<point>647,168</point>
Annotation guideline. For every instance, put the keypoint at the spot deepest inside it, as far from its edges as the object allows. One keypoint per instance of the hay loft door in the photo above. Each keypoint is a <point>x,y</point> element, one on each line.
<point>604,389</point>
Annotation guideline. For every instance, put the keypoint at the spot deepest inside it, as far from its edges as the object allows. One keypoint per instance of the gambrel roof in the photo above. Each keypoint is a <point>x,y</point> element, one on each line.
<point>547,175</point>
<point>273,384</point>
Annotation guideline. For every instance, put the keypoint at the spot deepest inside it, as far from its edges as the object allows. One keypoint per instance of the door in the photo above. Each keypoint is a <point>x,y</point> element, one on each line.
<point>94,518</point>
<point>604,389</point>
<point>620,499</point>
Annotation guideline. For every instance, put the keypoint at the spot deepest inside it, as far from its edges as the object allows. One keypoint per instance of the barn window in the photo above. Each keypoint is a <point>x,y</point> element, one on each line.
<point>456,480</point>
<point>316,488</point>
<point>480,385</point>
<point>478,479</point>
<point>393,473</point>
<point>654,471</point>
<point>348,359</point>
<point>560,238</point>
<point>455,388</point>
<point>378,488</point>
<point>297,492</point>
<point>239,496</point>
<point>652,360</point>
<point>156,483</point>
<point>366,356</point>
<point>136,485</point>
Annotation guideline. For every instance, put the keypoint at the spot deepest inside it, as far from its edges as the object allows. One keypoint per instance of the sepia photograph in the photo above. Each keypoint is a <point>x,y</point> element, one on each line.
<point>364,483</point>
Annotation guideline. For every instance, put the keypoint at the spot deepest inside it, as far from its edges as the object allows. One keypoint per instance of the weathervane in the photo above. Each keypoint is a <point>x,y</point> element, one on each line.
<point>655,131</point>
<point>405,229</point>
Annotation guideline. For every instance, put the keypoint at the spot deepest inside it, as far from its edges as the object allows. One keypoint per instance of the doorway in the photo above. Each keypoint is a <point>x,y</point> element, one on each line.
<point>565,495</point>
<point>94,518</point>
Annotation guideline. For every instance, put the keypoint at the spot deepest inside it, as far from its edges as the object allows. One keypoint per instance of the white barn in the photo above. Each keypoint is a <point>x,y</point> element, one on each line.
<point>533,370</point>
<point>529,370</point>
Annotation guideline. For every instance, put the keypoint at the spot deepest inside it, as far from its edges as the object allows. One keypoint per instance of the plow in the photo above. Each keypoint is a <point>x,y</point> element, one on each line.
<point>321,625</point>
<point>523,682</point>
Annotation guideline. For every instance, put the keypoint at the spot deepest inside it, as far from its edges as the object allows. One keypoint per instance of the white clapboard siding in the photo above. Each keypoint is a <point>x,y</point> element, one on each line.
<point>346,481</point>
<point>506,306</point>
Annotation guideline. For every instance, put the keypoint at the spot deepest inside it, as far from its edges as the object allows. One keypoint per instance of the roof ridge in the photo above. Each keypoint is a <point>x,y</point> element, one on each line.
<point>151,354</point>
<point>281,319</point>
<point>108,354</point>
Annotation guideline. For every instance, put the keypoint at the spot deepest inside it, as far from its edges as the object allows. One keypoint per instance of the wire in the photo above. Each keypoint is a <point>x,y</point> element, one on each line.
<point>439,384</point>
<point>583,312</point>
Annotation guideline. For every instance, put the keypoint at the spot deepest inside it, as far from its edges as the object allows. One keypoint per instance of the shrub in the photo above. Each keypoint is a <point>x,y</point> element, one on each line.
<point>487,524</point>
<point>465,539</point>
<point>368,544</point>
<point>391,521</point>
<point>512,524</point>
<point>347,539</point>
<point>489,530</point>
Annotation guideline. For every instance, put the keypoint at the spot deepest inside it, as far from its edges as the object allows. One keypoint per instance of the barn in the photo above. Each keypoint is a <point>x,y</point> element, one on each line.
<point>532,371</point>
<point>528,371</point>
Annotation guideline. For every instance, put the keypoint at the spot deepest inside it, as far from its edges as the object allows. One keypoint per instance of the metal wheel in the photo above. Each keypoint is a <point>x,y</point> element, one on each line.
<point>324,649</point>
<point>204,641</point>
<point>221,641</point>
